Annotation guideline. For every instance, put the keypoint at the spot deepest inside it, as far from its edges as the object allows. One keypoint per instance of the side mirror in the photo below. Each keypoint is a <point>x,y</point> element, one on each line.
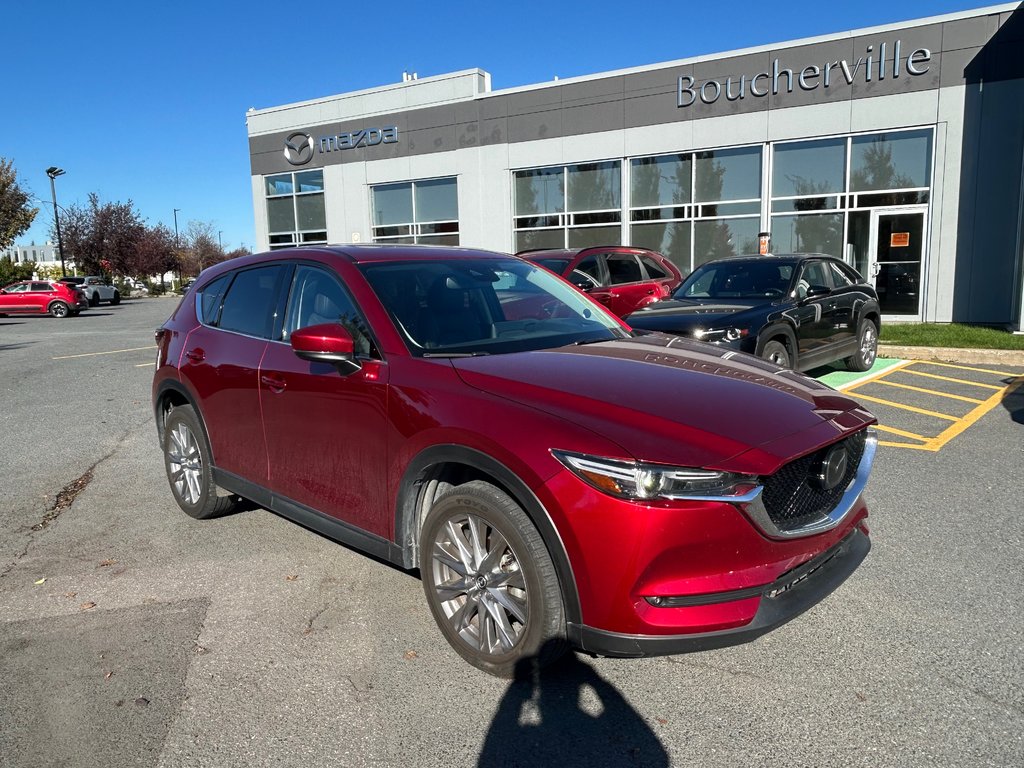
<point>327,343</point>
<point>584,285</point>
<point>812,292</point>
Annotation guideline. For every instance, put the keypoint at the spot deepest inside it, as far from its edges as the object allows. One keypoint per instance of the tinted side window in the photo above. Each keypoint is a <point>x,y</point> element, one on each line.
<point>591,268</point>
<point>317,297</point>
<point>623,269</point>
<point>839,276</point>
<point>251,301</point>
<point>208,300</point>
<point>42,287</point>
<point>814,274</point>
<point>654,270</point>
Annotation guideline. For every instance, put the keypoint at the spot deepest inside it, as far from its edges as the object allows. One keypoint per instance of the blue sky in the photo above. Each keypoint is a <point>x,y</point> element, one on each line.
<point>146,101</point>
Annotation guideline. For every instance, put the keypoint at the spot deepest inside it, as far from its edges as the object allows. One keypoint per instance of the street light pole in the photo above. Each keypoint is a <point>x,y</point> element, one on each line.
<point>177,255</point>
<point>53,172</point>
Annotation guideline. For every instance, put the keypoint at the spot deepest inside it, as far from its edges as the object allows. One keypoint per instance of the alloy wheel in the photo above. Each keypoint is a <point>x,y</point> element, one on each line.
<point>186,464</point>
<point>479,584</point>
<point>868,344</point>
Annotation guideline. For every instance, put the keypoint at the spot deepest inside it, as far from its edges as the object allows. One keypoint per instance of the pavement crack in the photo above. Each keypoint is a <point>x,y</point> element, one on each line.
<point>65,498</point>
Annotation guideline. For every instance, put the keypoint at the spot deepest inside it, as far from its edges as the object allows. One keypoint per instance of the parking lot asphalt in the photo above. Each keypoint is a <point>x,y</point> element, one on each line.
<point>132,635</point>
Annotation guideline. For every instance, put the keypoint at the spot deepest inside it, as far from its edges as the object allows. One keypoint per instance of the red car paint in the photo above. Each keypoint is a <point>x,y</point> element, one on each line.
<point>41,297</point>
<point>360,449</point>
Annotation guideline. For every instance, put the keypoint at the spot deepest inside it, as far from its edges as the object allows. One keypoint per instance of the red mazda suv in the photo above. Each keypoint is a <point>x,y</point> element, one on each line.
<point>559,481</point>
<point>621,277</point>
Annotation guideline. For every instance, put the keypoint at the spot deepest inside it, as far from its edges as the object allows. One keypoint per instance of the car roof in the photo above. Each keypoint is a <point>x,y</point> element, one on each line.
<point>534,254</point>
<point>767,258</point>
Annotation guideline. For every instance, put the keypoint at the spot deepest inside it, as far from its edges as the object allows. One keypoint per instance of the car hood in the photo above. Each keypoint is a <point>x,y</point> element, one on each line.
<point>673,401</point>
<point>685,314</point>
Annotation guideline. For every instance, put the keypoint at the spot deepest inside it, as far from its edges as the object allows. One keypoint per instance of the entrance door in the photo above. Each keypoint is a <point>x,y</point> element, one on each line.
<point>897,249</point>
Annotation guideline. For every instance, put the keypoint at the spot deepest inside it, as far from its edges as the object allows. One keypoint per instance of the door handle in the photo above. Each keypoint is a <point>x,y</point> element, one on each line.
<point>275,383</point>
<point>196,355</point>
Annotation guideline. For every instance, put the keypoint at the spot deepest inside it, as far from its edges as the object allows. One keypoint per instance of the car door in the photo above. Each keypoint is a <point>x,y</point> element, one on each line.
<point>326,429</point>
<point>629,289</point>
<point>816,308</point>
<point>15,298</point>
<point>849,298</point>
<point>221,361</point>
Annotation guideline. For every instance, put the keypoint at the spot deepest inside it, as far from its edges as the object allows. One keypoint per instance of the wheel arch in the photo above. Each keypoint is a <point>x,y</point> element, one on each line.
<point>440,467</point>
<point>171,394</point>
<point>778,330</point>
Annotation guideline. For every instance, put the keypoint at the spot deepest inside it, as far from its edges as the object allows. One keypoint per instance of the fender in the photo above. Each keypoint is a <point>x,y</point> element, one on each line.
<point>178,387</point>
<point>408,504</point>
<point>774,329</point>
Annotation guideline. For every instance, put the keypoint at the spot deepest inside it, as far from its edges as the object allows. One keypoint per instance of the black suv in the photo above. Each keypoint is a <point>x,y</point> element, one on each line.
<point>797,310</point>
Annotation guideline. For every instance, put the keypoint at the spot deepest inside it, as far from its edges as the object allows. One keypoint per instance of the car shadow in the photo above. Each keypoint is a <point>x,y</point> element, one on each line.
<point>91,313</point>
<point>12,322</point>
<point>567,715</point>
<point>1014,399</point>
<point>8,347</point>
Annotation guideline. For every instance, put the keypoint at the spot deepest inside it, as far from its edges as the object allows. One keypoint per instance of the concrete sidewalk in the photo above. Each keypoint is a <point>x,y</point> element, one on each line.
<point>1011,358</point>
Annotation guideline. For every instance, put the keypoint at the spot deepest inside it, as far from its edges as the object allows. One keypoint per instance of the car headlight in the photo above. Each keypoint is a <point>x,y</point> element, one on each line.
<point>720,334</point>
<point>638,480</point>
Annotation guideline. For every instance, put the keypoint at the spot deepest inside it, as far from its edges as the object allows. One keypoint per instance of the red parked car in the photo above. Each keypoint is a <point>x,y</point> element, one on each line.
<point>622,278</point>
<point>41,297</point>
<point>558,481</point>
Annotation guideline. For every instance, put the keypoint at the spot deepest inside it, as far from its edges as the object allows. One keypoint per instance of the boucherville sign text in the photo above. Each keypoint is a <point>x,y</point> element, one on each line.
<point>873,66</point>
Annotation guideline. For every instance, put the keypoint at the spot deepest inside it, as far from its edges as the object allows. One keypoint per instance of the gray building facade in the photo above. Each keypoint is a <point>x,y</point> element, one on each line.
<point>899,149</point>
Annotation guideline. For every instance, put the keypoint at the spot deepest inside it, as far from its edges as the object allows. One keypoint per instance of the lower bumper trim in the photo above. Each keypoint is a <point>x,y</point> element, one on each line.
<point>781,601</point>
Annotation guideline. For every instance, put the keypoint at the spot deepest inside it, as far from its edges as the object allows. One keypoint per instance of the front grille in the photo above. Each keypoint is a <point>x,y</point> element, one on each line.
<point>793,496</point>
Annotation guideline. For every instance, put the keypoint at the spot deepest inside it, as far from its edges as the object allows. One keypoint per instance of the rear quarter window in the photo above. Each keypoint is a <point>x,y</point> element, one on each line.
<point>251,301</point>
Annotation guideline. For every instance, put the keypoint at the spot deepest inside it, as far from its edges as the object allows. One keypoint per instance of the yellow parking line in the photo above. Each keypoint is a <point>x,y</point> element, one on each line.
<point>947,378</point>
<point>907,407</point>
<point>925,447</point>
<point>145,365</point>
<point>111,352</point>
<point>977,413</point>
<point>902,433</point>
<point>931,392</point>
<point>966,368</point>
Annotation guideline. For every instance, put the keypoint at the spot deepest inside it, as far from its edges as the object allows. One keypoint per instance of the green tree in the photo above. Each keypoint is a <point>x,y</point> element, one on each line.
<point>11,272</point>
<point>16,214</point>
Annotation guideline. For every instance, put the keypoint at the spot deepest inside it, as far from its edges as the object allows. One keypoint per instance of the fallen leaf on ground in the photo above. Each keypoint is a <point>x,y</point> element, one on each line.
<point>108,675</point>
<point>142,701</point>
<point>88,606</point>
<point>70,594</point>
<point>661,720</point>
<point>41,581</point>
<point>292,577</point>
<point>410,655</point>
<point>107,563</point>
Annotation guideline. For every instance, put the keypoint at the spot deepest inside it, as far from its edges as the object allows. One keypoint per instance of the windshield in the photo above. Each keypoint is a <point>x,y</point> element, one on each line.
<point>485,306</point>
<point>737,280</point>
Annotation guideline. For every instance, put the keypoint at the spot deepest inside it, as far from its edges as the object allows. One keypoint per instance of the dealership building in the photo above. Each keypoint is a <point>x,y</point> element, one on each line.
<point>897,148</point>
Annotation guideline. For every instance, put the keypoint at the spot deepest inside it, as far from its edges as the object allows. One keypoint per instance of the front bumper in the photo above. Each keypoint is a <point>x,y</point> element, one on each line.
<point>784,599</point>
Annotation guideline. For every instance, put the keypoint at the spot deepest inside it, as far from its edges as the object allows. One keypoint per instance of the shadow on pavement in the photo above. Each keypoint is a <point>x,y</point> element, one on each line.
<point>567,715</point>
<point>1014,402</point>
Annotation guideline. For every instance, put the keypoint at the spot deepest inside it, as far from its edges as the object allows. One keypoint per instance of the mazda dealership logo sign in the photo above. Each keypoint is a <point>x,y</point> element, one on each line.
<point>298,148</point>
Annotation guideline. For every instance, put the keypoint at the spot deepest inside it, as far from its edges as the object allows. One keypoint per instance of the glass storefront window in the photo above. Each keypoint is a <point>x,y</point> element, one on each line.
<point>661,181</point>
<point>728,174</point>
<point>806,168</point>
<point>717,239</point>
<point>540,191</point>
<point>296,208</point>
<point>424,211</point>
<point>594,187</point>
<point>672,240</point>
<point>891,161</point>
<point>810,233</point>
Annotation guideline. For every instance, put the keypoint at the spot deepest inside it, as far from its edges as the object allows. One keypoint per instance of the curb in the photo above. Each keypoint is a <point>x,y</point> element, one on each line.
<point>1013,358</point>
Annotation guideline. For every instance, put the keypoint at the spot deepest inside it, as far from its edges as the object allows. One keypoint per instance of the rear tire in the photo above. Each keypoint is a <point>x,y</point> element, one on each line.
<point>189,468</point>
<point>867,348</point>
<point>59,309</point>
<point>490,582</point>
<point>776,352</point>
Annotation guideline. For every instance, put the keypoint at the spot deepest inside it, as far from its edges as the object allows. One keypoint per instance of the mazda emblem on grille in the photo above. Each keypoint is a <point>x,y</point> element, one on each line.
<point>833,467</point>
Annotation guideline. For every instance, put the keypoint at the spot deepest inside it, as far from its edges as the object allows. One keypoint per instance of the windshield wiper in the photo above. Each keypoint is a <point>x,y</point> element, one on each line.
<point>455,354</point>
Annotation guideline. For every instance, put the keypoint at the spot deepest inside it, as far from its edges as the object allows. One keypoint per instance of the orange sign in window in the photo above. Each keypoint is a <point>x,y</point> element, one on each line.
<point>899,240</point>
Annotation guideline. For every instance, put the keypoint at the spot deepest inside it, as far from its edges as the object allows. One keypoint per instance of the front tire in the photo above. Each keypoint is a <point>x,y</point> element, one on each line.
<point>188,466</point>
<point>776,352</point>
<point>867,348</point>
<point>490,582</point>
<point>59,309</point>
<point>116,299</point>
